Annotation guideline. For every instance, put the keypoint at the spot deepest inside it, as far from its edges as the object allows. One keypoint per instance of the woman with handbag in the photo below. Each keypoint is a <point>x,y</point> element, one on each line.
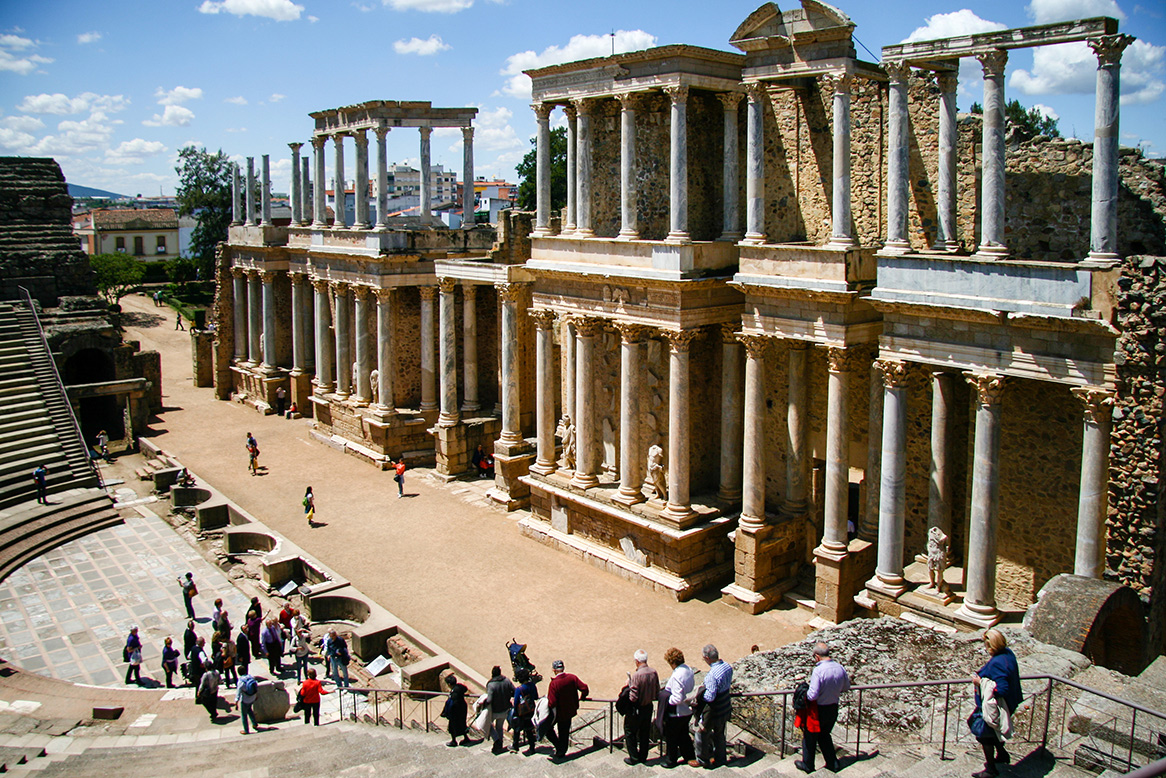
<point>308,697</point>
<point>455,711</point>
<point>678,713</point>
<point>988,724</point>
<point>133,656</point>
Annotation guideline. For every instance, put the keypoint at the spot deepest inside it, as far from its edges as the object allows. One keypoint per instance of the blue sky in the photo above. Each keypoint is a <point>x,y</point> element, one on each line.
<point>114,88</point>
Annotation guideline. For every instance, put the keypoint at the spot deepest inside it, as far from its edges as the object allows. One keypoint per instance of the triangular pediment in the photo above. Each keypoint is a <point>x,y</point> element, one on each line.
<point>770,27</point>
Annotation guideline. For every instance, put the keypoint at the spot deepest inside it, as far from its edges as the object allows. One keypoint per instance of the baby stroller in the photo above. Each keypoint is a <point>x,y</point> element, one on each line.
<point>519,662</point>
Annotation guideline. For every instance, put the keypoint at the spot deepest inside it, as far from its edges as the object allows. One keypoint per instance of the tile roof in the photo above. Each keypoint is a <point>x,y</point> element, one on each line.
<point>130,218</point>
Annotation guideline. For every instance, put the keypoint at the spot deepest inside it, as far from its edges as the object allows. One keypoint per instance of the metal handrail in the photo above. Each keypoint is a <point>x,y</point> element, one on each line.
<point>93,468</point>
<point>1152,770</point>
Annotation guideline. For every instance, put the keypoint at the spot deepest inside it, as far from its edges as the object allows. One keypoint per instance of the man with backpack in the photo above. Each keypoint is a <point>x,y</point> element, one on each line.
<point>828,682</point>
<point>499,696</point>
<point>245,694</point>
<point>522,714</point>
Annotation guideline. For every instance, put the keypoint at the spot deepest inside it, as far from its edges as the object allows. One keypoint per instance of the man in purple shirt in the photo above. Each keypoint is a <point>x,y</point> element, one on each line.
<point>827,683</point>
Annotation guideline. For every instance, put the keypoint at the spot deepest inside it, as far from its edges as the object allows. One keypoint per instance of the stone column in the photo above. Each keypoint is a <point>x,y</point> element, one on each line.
<point>945,201</point>
<point>753,471</point>
<point>797,416</point>
<point>236,193</point>
<point>297,312</point>
<point>360,188</point>
<point>265,192</point>
<point>939,492</point>
<point>339,201</point>
<point>629,229</point>
<point>570,360</point>
<point>319,187</point>
<point>841,234</point>
<point>343,320</point>
<point>1093,504</point>
<point>294,197</point>
<point>898,151</point>
<point>307,301</point>
<point>992,244</point>
<point>1103,221</point>
<point>306,193</point>
<point>679,508</point>
<point>426,174</point>
<point>468,178</point>
<point>842,362</point>
<point>732,431</point>
<point>544,379</point>
<point>572,119</point>
<point>888,577</point>
<point>255,317</point>
<point>979,606</point>
<point>678,164</point>
<point>583,229</point>
<point>631,458</point>
<point>249,195</point>
<point>447,349</point>
<point>755,165</point>
<point>325,347</point>
<point>509,295</point>
<point>364,354</point>
<point>542,214</point>
<point>586,451</point>
<point>470,348</point>
<point>386,400</point>
<point>428,358</point>
<point>239,287</point>
<point>382,178</point>
<point>730,188</point>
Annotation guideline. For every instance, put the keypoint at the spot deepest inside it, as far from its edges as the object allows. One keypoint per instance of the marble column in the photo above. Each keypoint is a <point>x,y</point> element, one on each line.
<point>468,202</point>
<point>888,577</point>
<point>360,188</point>
<point>939,491</point>
<point>979,606</point>
<point>255,318</point>
<point>426,174</point>
<point>447,349</point>
<point>544,353</point>
<point>730,188</point>
<point>249,195</point>
<point>898,160</point>
<point>510,295</point>
<point>1093,503</point>
<point>753,471</point>
<point>583,109</point>
<point>678,164</point>
<point>382,192</point>
<point>343,324</point>
<point>842,362</point>
<point>586,446</point>
<point>236,193</point>
<point>319,195</point>
<point>428,356</point>
<point>631,379</point>
<point>570,343</point>
<point>364,355</point>
<point>325,347</point>
<point>629,229</point>
<point>1103,221</point>
<point>679,507</point>
<point>307,313</point>
<point>294,196</point>
<point>239,288</point>
<point>340,198</point>
<point>265,193</point>
<point>732,421</point>
<point>841,235</point>
<point>470,348</point>
<point>306,193</point>
<point>386,400</point>
<point>797,417</point>
<point>297,311</point>
<point>755,164</point>
<point>945,201</point>
<point>572,128</point>
<point>992,202</point>
<point>542,189</point>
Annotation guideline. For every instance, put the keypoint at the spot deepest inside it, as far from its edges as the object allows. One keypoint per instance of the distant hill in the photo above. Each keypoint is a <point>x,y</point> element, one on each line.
<point>87,191</point>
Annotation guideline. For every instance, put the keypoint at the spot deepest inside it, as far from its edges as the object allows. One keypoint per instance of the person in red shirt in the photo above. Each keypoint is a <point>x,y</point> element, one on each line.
<point>399,467</point>
<point>563,696</point>
<point>310,692</point>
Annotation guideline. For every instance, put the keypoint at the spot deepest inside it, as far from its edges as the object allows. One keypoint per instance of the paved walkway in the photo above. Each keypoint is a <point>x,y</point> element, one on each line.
<point>443,559</point>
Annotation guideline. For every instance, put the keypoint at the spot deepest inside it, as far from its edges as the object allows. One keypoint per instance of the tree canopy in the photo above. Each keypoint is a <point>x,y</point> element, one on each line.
<point>1029,122</point>
<point>204,191</point>
<point>527,172</point>
<point>117,274</point>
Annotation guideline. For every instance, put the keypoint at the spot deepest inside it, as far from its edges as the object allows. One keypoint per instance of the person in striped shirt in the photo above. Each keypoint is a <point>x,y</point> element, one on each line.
<point>710,735</point>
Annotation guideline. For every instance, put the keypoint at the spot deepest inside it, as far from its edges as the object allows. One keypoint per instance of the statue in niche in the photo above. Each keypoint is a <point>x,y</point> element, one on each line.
<point>355,373</point>
<point>374,379</point>
<point>936,558</point>
<point>568,442</point>
<point>657,477</point>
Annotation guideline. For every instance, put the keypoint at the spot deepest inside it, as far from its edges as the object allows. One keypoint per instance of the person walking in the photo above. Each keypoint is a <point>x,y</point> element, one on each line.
<point>242,650</point>
<point>563,696</point>
<point>189,591</point>
<point>254,627</point>
<point>273,647</point>
<point>302,645</point>
<point>1001,677</point>
<point>252,454</point>
<point>230,651</point>
<point>208,693</point>
<point>189,640</point>
<point>310,507</point>
<point>310,692</point>
<point>455,711</point>
<point>40,478</point>
<point>523,710</point>
<point>245,693</point>
<point>710,735</point>
<point>280,399</point>
<point>827,683</point>
<point>178,323</point>
<point>133,656</point>
<point>499,696</point>
<point>643,688</point>
<point>339,657</point>
<point>677,712</point>
<point>399,468</point>
<point>169,661</point>
<point>200,663</point>
<point>103,445</point>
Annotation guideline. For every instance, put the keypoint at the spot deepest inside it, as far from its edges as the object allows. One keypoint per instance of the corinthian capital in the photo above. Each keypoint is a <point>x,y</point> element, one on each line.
<point>542,111</point>
<point>842,360</point>
<point>543,319</point>
<point>1109,48</point>
<point>680,340</point>
<point>993,62</point>
<point>1098,402</point>
<point>894,372</point>
<point>897,71</point>
<point>989,387</point>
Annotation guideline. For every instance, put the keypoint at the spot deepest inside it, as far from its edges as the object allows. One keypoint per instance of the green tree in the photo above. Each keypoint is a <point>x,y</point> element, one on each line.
<point>117,275</point>
<point>1029,122</point>
<point>527,173</point>
<point>204,191</point>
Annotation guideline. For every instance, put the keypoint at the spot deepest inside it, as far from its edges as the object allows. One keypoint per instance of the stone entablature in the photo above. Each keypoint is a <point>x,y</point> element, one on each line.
<point>637,71</point>
<point>390,113</point>
<point>925,53</point>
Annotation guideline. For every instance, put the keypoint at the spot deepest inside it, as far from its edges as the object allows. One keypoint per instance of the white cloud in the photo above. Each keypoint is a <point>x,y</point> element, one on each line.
<point>76,137</point>
<point>279,10</point>
<point>240,100</point>
<point>494,132</point>
<point>15,140</point>
<point>60,104</point>
<point>276,97</point>
<point>178,95</point>
<point>89,37</point>
<point>133,152</point>
<point>1071,68</point>
<point>429,6</point>
<point>313,19</point>
<point>579,47</point>
<point>1046,111</point>
<point>424,48</point>
<point>16,43</point>
<point>173,116</point>
<point>23,62</point>
<point>1049,11</point>
<point>22,123</point>
<point>962,22</point>
<point>236,129</point>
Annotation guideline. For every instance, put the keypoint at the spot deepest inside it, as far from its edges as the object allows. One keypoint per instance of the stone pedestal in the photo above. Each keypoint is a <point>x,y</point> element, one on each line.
<point>300,392</point>
<point>452,451</point>
<point>838,579</point>
<point>765,563</point>
<point>511,462</point>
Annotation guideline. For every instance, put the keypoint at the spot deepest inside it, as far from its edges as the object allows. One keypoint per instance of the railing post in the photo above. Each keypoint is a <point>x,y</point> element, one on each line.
<point>784,710</point>
<point>1044,738</point>
<point>946,714</point>
<point>400,711</point>
<point>858,724</point>
<point>1133,733</point>
<point>427,714</point>
<point>340,699</point>
<point>376,707</point>
<point>610,727</point>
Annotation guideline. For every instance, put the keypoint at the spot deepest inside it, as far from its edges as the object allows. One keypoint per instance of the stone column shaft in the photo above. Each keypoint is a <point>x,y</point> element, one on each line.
<point>730,186</point>
<point>297,311</point>
<point>426,174</point>
<point>294,196</point>
<point>542,215</point>
<point>307,313</point>
<point>837,496</point>
<point>468,178</point>
<point>629,229</point>
<point>893,488</point>
<point>343,323</point>
<point>1093,504</point>
<point>470,348</point>
<point>570,343</point>
<point>898,150</point>
<point>360,189</point>
<point>325,346</point>
<point>236,193</point>
<point>753,467</point>
<point>678,163</point>
<point>340,200</point>
<point>386,399</point>
<point>980,600</point>
<point>586,451</point>
<point>544,352</point>
<point>572,128</point>
<point>249,195</point>
<point>797,416</point>
<point>265,192</point>
<point>510,295</point>
<point>841,234</point>
<point>679,507</point>
<point>319,193</point>
<point>945,202</point>
<point>1103,220</point>
<point>364,348</point>
<point>255,317</point>
<point>239,287</point>
<point>428,355</point>
<point>732,402</point>
<point>992,244</point>
<point>631,458</point>
<point>583,170</point>
<point>755,165</point>
<point>382,178</point>
<point>939,492</point>
<point>307,190</point>
<point>447,349</point>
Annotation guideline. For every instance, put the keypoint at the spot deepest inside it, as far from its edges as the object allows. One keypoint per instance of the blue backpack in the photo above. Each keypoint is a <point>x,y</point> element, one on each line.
<point>249,685</point>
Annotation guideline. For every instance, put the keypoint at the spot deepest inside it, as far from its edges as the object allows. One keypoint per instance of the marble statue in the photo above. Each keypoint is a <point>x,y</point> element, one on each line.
<point>656,474</point>
<point>568,442</point>
<point>374,379</point>
<point>936,558</point>
<point>355,373</point>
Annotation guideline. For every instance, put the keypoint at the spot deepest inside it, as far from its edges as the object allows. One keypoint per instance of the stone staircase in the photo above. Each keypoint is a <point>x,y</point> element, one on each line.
<point>31,529</point>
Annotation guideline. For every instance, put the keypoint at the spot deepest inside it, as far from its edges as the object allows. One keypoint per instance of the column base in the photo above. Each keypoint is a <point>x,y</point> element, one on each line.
<point>628,235</point>
<point>1100,258</point>
<point>629,498</point>
<point>583,233</point>
<point>321,389</point>
<point>428,407</point>
<point>678,237</point>
<point>729,495</point>
<point>731,237</point>
<point>891,585</point>
<point>991,251</point>
<point>361,227</point>
<point>541,232</point>
<point>895,248</point>
<point>677,513</point>
<point>359,402</point>
<point>340,396</point>
<point>834,553</point>
<point>945,247</point>
<point>584,480</point>
<point>544,468</point>
<point>841,242</point>
<point>448,420</point>
<point>937,596</point>
<point>981,616</point>
<point>752,602</point>
<point>381,413</point>
<point>752,239</point>
<point>468,407</point>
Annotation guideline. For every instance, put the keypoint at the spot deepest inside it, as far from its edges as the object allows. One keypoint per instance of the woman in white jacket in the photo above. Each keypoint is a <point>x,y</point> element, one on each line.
<point>677,713</point>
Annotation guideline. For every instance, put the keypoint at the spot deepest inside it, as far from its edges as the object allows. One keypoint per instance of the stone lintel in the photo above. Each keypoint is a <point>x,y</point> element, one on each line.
<point>986,42</point>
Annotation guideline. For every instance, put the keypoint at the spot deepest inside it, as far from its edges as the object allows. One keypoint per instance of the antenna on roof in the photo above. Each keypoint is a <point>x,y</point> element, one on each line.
<point>613,43</point>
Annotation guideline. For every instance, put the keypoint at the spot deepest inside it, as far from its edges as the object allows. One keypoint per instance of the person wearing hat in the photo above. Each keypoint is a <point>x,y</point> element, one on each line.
<point>563,696</point>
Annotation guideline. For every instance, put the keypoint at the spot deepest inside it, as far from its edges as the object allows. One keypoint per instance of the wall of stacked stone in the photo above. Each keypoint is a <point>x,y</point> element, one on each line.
<point>406,314</point>
<point>706,152</point>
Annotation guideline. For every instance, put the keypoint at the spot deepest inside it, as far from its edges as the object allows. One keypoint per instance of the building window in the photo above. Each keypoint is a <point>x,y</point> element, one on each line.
<point>161,249</point>
<point>119,244</point>
<point>139,247</point>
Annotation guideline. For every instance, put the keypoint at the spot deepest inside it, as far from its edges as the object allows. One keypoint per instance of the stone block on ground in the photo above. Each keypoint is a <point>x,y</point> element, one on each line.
<point>272,703</point>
